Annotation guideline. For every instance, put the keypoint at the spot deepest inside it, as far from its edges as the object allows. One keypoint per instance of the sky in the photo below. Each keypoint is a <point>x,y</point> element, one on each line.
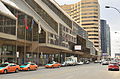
<point>109,14</point>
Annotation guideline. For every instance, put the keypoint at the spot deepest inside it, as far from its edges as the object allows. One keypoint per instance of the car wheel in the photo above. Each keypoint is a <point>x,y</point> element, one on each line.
<point>58,66</point>
<point>52,66</point>
<point>17,70</point>
<point>28,69</point>
<point>5,72</point>
<point>36,68</point>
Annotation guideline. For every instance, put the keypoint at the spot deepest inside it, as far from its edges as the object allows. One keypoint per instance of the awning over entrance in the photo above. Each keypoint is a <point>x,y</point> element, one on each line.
<point>5,11</point>
<point>57,49</point>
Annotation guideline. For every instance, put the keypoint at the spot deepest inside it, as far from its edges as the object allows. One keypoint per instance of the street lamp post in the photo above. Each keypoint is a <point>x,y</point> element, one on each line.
<point>113,8</point>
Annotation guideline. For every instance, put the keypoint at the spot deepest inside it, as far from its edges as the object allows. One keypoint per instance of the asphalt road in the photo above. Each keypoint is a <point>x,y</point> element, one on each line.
<point>88,71</point>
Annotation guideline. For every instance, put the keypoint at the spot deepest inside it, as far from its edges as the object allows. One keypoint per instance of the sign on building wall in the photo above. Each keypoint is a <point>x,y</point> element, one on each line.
<point>77,47</point>
<point>17,54</point>
<point>104,54</point>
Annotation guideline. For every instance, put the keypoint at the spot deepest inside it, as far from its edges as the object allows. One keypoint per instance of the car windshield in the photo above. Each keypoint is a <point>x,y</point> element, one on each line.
<point>53,62</point>
<point>3,65</point>
<point>26,64</point>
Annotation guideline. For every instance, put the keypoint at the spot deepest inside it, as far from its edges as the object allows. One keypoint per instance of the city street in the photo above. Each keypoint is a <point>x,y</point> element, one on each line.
<point>87,71</point>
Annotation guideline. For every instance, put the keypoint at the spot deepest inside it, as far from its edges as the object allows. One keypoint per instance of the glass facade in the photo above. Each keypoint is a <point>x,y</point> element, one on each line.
<point>43,14</point>
<point>29,41</point>
<point>58,12</point>
<point>7,53</point>
<point>7,25</point>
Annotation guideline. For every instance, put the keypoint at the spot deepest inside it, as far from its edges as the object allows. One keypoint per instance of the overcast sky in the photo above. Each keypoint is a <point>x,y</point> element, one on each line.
<point>111,15</point>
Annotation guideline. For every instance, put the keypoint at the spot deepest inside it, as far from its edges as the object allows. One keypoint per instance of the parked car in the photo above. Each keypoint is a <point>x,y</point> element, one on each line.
<point>97,61</point>
<point>113,66</point>
<point>9,67</point>
<point>53,65</point>
<point>86,62</point>
<point>105,62</point>
<point>80,63</point>
<point>29,66</point>
<point>119,63</point>
<point>63,64</point>
<point>71,61</point>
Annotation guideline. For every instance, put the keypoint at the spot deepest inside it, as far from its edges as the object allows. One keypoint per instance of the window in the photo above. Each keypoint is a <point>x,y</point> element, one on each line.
<point>93,38</point>
<point>96,45</point>
<point>89,13</point>
<point>58,12</point>
<point>90,27</point>
<point>7,25</point>
<point>96,42</point>
<point>89,20</point>
<point>45,16</point>
<point>90,24</point>
<point>92,34</point>
<point>90,17</point>
<point>92,31</point>
<point>89,9</point>
<point>89,6</point>
<point>83,3</point>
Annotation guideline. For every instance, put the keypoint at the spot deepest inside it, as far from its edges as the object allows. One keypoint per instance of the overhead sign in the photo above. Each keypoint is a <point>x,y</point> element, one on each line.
<point>77,47</point>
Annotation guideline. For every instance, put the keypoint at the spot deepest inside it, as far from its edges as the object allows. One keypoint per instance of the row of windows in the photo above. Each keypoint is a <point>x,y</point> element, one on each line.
<point>89,13</point>
<point>77,19</point>
<point>92,31</point>
<point>89,10</point>
<point>96,42</point>
<point>73,7</point>
<point>43,14</point>
<point>7,25</point>
<point>94,38</point>
<point>89,6</point>
<point>89,20</point>
<point>89,3</point>
<point>90,27</point>
<point>58,12</point>
<point>90,24</point>
<point>66,34</point>
<point>90,17</point>
<point>96,45</point>
<point>92,34</point>
<point>23,22</point>
<point>7,50</point>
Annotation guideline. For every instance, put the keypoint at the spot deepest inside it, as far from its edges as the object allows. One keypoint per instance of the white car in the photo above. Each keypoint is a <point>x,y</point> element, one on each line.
<point>87,62</point>
<point>80,63</point>
<point>63,64</point>
<point>105,62</point>
<point>97,61</point>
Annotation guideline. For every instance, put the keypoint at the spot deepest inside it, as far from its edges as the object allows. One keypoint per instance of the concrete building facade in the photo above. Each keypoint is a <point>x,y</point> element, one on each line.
<point>87,14</point>
<point>38,31</point>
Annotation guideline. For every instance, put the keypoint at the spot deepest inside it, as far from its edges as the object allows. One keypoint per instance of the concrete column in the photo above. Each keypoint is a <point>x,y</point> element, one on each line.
<point>38,59</point>
<point>32,56</point>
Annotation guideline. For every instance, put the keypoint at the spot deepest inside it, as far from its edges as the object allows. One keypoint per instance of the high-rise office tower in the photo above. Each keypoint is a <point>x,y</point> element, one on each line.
<point>105,38</point>
<point>87,14</point>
